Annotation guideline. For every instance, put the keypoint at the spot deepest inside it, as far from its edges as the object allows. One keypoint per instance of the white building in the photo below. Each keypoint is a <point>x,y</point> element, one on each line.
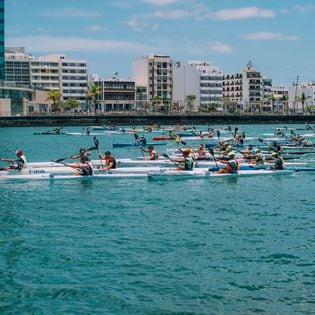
<point>56,72</point>
<point>201,79</point>
<point>155,74</point>
<point>302,97</point>
<point>244,88</point>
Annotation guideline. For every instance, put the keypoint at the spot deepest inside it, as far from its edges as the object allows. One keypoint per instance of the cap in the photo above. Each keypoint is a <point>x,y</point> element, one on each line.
<point>107,153</point>
<point>258,151</point>
<point>150,147</point>
<point>231,154</point>
<point>275,154</point>
<point>187,151</point>
<point>18,152</point>
<point>82,149</point>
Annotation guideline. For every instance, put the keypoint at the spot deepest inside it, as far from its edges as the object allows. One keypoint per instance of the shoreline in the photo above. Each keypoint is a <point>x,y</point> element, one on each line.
<point>125,120</point>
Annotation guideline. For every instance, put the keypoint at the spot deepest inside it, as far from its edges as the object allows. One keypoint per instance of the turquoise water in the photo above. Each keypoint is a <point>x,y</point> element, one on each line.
<point>132,246</point>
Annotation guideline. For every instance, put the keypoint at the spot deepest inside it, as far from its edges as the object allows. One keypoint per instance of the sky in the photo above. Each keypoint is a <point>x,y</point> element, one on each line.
<point>276,35</point>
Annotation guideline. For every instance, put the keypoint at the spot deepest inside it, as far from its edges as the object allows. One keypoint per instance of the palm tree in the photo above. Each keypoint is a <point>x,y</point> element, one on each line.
<point>139,93</point>
<point>190,99</point>
<point>284,100</point>
<point>272,98</point>
<point>91,94</point>
<point>303,98</point>
<point>54,96</point>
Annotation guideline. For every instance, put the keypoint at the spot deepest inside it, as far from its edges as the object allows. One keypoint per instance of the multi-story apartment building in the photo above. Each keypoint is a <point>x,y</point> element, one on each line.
<point>1,39</point>
<point>45,72</point>
<point>280,96</point>
<point>301,97</point>
<point>17,67</point>
<point>244,88</point>
<point>56,72</point>
<point>155,74</point>
<point>73,78</point>
<point>116,95</point>
<point>201,79</point>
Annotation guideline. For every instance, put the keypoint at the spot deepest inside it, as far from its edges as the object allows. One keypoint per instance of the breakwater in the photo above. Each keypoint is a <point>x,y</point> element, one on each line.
<point>123,119</point>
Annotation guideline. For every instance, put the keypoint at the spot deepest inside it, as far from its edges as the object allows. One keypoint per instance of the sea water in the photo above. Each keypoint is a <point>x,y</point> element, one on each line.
<point>135,246</point>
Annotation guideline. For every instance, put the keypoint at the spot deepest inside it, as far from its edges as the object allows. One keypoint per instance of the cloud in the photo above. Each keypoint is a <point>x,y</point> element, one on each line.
<point>160,2</point>
<point>70,13</point>
<point>270,36</point>
<point>75,44</point>
<point>172,14</point>
<point>220,47</point>
<point>96,28</point>
<point>243,13</point>
<point>304,8</point>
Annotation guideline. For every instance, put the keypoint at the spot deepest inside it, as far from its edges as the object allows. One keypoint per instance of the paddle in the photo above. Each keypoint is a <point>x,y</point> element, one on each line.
<point>210,150</point>
<point>168,157</point>
<point>235,131</point>
<point>71,156</point>
<point>141,149</point>
<point>96,143</point>
<point>218,134</point>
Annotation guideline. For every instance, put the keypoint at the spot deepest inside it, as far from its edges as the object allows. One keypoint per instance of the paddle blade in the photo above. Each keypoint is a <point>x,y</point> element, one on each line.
<point>183,142</point>
<point>218,133</point>
<point>96,142</point>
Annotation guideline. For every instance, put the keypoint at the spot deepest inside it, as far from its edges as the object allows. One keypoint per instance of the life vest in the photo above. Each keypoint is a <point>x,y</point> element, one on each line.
<point>188,164</point>
<point>154,155</point>
<point>86,169</point>
<point>232,166</point>
<point>278,164</point>
<point>111,160</point>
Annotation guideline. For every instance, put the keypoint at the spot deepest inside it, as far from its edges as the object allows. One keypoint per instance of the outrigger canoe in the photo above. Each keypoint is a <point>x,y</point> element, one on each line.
<point>135,144</point>
<point>161,174</point>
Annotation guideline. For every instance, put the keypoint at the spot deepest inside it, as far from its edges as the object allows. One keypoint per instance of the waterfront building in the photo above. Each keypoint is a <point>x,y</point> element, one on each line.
<point>197,84</point>
<point>17,67</point>
<point>301,98</point>
<point>2,40</point>
<point>154,73</point>
<point>56,72</point>
<point>116,94</point>
<point>280,95</point>
<point>244,90</point>
<point>73,79</point>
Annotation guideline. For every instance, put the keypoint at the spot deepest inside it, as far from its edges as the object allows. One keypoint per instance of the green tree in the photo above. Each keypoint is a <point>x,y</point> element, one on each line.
<point>91,94</point>
<point>285,104</point>
<point>272,98</point>
<point>54,96</point>
<point>302,98</point>
<point>71,103</point>
<point>156,101</point>
<point>139,93</point>
<point>190,99</point>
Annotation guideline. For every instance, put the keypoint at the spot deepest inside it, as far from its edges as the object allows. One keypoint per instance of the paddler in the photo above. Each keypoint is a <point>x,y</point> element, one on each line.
<point>110,161</point>
<point>85,168</point>
<point>200,152</point>
<point>188,163</point>
<point>259,159</point>
<point>82,153</point>
<point>16,164</point>
<point>232,165</point>
<point>278,161</point>
<point>153,154</point>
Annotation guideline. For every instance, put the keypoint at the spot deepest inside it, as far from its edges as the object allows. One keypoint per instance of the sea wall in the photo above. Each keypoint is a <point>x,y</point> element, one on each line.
<point>127,120</point>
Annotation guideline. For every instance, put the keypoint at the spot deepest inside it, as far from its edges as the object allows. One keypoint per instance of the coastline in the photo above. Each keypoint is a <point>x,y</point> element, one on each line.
<point>133,119</point>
